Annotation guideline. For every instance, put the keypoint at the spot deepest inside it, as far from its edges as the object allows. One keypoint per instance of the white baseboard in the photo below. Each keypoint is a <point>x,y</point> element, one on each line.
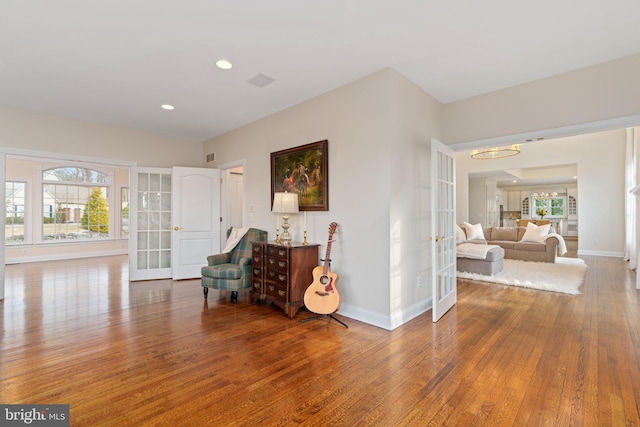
<point>375,319</point>
<point>601,253</point>
<point>385,322</point>
<point>61,257</point>
<point>412,312</point>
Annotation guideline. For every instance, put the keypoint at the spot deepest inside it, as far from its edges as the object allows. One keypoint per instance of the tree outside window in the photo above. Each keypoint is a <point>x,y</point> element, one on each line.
<point>95,216</point>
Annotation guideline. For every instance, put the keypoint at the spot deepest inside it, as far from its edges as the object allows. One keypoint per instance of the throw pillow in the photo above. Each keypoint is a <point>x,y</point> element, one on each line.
<point>535,233</point>
<point>474,232</point>
<point>460,236</point>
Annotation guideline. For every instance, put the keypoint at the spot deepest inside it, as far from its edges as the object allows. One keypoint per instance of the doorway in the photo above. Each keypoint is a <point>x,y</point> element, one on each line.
<point>232,205</point>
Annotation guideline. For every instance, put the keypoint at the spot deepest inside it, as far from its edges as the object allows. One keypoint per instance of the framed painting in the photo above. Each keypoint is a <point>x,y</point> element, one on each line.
<point>303,170</point>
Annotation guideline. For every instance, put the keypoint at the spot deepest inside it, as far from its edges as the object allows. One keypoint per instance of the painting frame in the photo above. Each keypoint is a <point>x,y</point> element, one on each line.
<point>312,184</point>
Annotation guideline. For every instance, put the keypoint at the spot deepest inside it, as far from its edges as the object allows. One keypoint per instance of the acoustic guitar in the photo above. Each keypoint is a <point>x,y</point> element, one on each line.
<point>322,296</point>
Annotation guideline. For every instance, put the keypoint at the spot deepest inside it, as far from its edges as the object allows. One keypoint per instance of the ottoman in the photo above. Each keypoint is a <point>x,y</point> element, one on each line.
<point>489,266</point>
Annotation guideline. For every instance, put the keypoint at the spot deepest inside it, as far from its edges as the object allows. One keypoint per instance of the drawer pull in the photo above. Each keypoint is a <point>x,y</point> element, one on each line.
<point>272,288</point>
<point>282,264</point>
<point>282,293</point>
<point>282,278</point>
<point>282,253</point>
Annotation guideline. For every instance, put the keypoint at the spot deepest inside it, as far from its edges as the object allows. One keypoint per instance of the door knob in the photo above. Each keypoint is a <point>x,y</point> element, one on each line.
<point>176,228</point>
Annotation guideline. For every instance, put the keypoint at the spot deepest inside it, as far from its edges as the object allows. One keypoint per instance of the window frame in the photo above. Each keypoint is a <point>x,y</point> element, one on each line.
<point>121,218</point>
<point>90,185</point>
<point>27,224</point>
<point>548,206</point>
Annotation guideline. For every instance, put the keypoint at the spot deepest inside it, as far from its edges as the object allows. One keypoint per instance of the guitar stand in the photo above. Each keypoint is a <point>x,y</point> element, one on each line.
<point>330,316</point>
<point>320,316</point>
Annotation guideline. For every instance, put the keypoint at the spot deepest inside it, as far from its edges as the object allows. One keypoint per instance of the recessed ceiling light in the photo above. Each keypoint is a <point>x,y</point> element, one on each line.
<point>224,64</point>
<point>167,107</point>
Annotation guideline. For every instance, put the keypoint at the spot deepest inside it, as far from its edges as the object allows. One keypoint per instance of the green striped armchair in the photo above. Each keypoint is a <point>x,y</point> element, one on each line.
<point>232,271</point>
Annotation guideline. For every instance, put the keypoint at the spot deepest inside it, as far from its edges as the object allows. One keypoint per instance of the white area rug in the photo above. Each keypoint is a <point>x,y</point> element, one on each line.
<point>565,276</point>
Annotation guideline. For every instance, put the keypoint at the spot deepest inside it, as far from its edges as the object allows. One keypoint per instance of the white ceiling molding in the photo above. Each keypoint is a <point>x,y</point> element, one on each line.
<point>559,132</point>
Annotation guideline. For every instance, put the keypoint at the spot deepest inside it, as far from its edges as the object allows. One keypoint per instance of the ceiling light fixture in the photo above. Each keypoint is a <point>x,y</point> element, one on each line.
<point>167,107</point>
<point>224,64</point>
<point>495,153</point>
<point>544,195</point>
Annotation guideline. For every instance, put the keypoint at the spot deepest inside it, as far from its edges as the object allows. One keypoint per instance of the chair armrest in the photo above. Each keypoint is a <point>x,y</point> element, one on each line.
<point>244,261</point>
<point>219,259</point>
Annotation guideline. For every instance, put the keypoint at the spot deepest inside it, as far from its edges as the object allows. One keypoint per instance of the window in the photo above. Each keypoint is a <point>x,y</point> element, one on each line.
<point>124,212</point>
<point>75,204</point>
<point>15,198</point>
<point>525,206</point>
<point>573,206</point>
<point>555,207</point>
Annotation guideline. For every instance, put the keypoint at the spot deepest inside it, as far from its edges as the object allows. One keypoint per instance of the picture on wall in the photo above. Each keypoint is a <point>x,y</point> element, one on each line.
<point>303,170</point>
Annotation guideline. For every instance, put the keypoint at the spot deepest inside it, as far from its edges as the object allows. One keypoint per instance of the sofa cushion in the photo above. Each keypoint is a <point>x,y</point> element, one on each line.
<point>474,232</point>
<point>460,236</point>
<point>504,233</point>
<point>535,233</point>
<point>504,244</point>
<point>530,246</point>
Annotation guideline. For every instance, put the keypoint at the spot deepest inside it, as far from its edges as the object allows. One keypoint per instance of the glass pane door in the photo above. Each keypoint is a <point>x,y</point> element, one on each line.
<point>150,239</point>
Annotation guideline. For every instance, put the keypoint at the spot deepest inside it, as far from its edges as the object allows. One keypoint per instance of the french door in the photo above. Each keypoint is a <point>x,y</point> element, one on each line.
<point>174,221</point>
<point>443,216</point>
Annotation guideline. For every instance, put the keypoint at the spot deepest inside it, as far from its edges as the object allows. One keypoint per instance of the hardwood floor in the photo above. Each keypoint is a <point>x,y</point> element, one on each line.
<point>154,353</point>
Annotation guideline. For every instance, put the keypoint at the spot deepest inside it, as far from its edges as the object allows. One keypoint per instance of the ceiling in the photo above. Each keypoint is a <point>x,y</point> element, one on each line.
<point>117,61</point>
<point>544,177</point>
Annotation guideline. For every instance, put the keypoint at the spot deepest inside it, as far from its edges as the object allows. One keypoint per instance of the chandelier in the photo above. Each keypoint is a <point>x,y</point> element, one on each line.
<point>495,152</point>
<point>544,195</point>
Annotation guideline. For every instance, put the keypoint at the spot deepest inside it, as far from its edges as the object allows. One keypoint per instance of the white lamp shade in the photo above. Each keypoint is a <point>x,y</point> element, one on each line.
<point>285,202</point>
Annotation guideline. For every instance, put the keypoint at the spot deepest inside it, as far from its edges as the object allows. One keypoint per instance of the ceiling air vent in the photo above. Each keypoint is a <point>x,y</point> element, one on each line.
<point>261,80</point>
<point>211,157</point>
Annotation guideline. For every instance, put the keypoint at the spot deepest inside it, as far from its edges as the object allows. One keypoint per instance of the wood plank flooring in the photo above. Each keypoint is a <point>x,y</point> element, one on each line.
<point>154,354</point>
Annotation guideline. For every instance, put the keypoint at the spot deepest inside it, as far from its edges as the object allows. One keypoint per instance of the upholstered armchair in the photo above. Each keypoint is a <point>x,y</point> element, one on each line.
<point>231,270</point>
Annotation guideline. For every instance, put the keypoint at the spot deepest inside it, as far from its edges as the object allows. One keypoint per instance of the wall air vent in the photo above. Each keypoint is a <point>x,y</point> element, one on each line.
<point>211,157</point>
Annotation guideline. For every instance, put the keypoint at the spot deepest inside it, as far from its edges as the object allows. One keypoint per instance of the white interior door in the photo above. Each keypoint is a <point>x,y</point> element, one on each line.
<point>196,219</point>
<point>150,224</point>
<point>443,241</point>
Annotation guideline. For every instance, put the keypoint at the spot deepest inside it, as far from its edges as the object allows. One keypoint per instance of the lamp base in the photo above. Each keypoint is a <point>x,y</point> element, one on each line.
<point>286,237</point>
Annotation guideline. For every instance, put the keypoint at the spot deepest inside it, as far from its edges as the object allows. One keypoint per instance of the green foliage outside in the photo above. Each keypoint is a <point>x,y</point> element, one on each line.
<point>95,216</point>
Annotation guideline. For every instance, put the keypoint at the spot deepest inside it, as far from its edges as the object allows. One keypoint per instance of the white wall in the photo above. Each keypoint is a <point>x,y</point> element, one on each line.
<point>600,159</point>
<point>602,92</point>
<point>367,150</point>
<point>33,133</point>
<point>28,130</point>
<point>416,119</point>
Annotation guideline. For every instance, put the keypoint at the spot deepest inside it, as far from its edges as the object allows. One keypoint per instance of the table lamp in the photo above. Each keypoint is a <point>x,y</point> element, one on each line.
<point>285,203</point>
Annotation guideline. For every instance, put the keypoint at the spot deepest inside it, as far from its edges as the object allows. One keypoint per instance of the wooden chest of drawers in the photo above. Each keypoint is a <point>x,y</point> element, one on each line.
<point>281,274</point>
